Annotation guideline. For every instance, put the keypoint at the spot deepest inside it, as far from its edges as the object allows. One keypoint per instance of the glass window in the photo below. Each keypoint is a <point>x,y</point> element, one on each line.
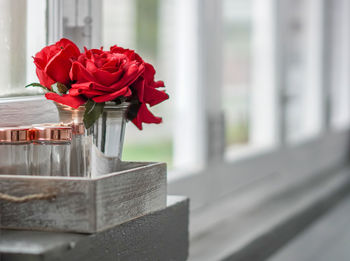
<point>153,28</point>
<point>137,24</point>
<point>249,99</point>
<point>302,46</point>
<point>23,33</point>
<point>340,63</point>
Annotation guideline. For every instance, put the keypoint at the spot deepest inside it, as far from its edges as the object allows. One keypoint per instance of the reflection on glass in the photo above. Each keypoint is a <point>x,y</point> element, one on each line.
<point>302,87</point>
<point>14,159</point>
<point>249,91</point>
<point>15,150</point>
<point>340,67</point>
<point>50,158</point>
<point>51,149</point>
<point>22,33</point>
<point>237,69</point>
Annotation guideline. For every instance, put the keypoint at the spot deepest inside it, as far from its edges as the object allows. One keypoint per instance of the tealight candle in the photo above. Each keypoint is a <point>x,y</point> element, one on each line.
<point>15,150</point>
<point>51,150</point>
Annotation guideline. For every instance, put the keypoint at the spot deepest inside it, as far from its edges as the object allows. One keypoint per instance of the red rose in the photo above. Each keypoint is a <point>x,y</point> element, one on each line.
<point>104,76</point>
<point>100,76</point>
<point>53,63</point>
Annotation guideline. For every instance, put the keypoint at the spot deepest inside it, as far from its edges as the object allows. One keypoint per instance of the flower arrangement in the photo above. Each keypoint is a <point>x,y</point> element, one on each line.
<point>95,76</point>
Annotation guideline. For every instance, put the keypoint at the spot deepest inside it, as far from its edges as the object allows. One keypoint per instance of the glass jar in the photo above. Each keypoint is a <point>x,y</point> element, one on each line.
<point>51,150</point>
<point>80,147</point>
<point>15,150</point>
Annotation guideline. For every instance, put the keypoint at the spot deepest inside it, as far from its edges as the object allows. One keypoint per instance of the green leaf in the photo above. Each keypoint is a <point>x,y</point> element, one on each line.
<point>59,88</point>
<point>35,84</point>
<point>93,111</point>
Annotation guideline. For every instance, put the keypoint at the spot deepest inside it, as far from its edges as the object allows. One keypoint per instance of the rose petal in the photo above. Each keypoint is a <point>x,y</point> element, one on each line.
<point>83,85</point>
<point>149,72</point>
<point>117,49</point>
<point>158,84</point>
<point>87,93</point>
<point>153,96</point>
<point>90,66</point>
<point>129,53</point>
<point>64,42</point>
<point>39,63</point>
<point>47,53</point>
<point>72,101</point>
<point>42,57</point>
<point>92,86</point>
<point>59,66</point>
<point>144,115</point>
<point>44,79</point>
<point>139,86</point>
<point>107,78</point>
<point>132,73</point>
<point>111,96</point>
<point>79,73</point>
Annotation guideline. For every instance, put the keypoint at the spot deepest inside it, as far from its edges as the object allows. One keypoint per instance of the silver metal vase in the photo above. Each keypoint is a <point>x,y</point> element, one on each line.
<point>106,137</point>
<point>98,150</point>
<point>80,148</point>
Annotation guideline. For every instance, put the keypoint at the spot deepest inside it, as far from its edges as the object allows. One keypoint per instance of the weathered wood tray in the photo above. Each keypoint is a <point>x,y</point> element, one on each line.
<point>85,205</point>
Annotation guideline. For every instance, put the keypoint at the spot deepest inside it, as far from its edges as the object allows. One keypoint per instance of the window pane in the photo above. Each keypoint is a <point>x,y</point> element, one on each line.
<point>302,42</point>
<point>248,93</point>
<point>237,50</point>
<point>156,29</point>
<point>22,34</point>
<point>340,63</point>
<point>136,24</point>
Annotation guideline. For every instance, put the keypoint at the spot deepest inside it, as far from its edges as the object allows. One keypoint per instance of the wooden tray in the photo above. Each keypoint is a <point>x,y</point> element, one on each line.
<point>85,205</point>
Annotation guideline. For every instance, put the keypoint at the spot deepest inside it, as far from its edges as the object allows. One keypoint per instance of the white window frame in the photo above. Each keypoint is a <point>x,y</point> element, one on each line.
<point>309,157</point>
<point>219,176</point>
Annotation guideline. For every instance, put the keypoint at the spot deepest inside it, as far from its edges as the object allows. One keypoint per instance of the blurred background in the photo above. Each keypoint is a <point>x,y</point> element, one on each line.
<point>264,93</point>
<point>250,81</point>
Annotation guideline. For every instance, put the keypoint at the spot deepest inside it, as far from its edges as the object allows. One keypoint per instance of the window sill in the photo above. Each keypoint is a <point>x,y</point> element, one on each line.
<point>252,224</point>
<point>326,239</point>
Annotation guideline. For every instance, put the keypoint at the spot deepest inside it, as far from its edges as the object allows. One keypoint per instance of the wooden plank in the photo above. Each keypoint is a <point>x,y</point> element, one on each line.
<point>81,204</point>
<point>27,111</point>
<point>162,235</point>
<point>71,210</point>
<point>326,239</point>
<point>252,225</point>
<point>129,195</point>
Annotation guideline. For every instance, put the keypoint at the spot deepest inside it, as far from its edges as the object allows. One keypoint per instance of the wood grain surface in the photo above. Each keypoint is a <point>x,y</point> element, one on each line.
<point>85,205</point>
<point>161,235</point>
<point>26,111</point>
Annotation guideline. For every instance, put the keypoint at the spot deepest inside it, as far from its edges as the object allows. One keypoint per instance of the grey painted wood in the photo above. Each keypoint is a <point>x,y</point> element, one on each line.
<point>84,205</point>
<point>27,111</point>
<point>250,226</point>
<point>130,194</point>
<point>162,235</point>
<point>327,239</point>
